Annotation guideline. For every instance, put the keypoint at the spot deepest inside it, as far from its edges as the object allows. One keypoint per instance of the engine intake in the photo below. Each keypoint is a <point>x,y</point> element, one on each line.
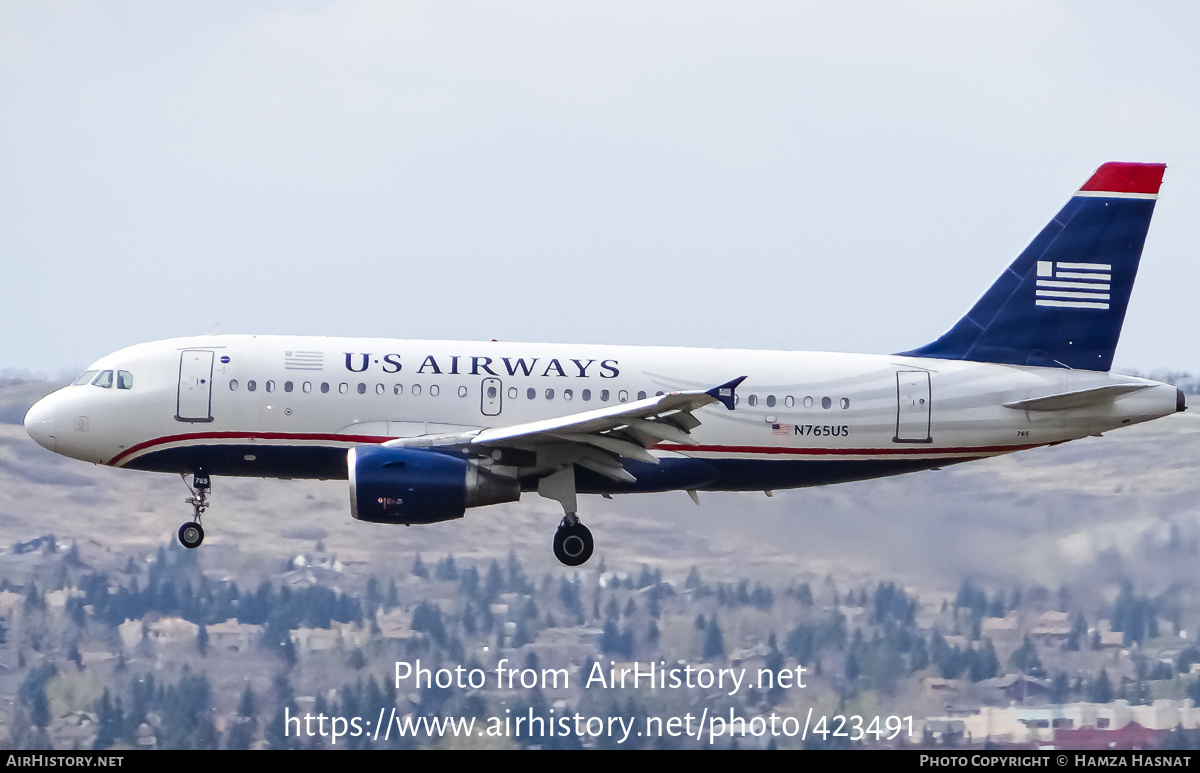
<point>405,485</point>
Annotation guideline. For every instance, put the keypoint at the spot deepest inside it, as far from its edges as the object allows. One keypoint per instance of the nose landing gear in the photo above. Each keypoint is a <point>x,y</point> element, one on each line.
<point>191,534</point>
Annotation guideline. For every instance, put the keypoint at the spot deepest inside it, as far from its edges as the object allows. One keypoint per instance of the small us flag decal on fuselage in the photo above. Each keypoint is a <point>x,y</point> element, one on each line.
<point>303,360</point>
<point>1073,285</point>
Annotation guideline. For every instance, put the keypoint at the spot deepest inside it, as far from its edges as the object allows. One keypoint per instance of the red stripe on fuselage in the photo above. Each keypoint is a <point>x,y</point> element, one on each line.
<point>375,440</point>
<point>848,451</point>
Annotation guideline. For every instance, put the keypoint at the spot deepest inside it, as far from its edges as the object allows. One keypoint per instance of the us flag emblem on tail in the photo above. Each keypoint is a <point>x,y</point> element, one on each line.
<point>1073,285</point>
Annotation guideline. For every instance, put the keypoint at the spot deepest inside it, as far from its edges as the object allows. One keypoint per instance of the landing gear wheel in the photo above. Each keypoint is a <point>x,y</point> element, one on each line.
<point>573,544</point>
<point>191,534</point>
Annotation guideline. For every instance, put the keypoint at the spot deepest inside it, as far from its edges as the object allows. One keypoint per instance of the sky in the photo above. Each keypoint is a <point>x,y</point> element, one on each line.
<point>782,175</point>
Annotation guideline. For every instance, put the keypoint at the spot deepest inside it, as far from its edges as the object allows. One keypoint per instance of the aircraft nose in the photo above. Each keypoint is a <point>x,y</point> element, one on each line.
<point>40,424</point>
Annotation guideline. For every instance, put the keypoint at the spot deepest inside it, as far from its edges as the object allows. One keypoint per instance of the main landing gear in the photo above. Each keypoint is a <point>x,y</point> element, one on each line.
<point>191,534</point>
<point>573,541</point>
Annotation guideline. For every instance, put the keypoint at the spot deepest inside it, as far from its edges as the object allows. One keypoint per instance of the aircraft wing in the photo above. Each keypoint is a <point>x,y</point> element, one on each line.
<point>597,440</point>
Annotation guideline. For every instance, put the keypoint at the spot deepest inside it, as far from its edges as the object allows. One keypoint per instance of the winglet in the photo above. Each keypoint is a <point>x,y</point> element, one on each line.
<point>724,393</point>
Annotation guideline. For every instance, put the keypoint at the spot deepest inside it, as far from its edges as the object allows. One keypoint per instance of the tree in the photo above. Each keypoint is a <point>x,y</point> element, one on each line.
<point>241,734</point>
<point>1133,615</point>
<point>1060,688</point>
<point>427,619</point>
<point>1100,689</point>
<point>714,642</point>
<point>653,635</point>
<point>972,598</point>
<point>446,569</point>
<point>1025,658</point>
<point>34,600</point>
<point>109,719</point>
<point>276,730</point>
<point>32,694</point>
<point>1078,634</point>
<point>774,664</point>
<point>75,656</point>
<point>984,663</point>
<point>853,666</point>
<point>615,642</point>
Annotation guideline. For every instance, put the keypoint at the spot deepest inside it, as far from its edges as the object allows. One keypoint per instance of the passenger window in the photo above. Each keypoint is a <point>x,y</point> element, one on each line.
<point>398,390</point>
<point>233,385</point>
<point>807,401</point>
<point>568,394</point>
<point>604,395</point>
<point>84,378</point>
<point>462,391</point>
<point>251,385</point>
<point>362,388</point>
<point>512,393</point>
<point>770,401</point>
<point>270,386</point>
<point>753,400</point>
<point>287,386</point>
<point>586,395</point>
<point>826,402</point>
<point>845,403</point>
<point>641,395</point>
<point>491,392</point>
<point>343,388</point>
<point>379,389</point>
<point>416,389</point>
<point>659,393</point>
<point>622,396</point>
<point>434,390</point>
<point>124,379</point>
<point>104,379</point>
<point>307,387</point>
<point>549,394</point>
<point>789,401</point>
<point>324,387</point>
<point>530,394</point>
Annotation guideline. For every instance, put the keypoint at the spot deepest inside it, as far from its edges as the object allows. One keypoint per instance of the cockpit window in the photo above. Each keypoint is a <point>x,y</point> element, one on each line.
<point>104,379</point>
<point>85,378</point>
<point>124,379</point>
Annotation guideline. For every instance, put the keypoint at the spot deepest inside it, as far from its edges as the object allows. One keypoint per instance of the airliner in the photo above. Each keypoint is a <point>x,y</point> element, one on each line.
<point>425,430</point>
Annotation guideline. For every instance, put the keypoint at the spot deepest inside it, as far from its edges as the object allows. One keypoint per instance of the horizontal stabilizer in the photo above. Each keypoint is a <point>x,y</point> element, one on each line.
<point>1079,399</point>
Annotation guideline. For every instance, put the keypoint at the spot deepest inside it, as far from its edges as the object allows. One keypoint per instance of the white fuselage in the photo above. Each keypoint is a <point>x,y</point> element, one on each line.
<point>287,406</point>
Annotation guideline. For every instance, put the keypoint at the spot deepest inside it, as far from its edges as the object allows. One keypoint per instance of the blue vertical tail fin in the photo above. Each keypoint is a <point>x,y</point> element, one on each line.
<point>1062,302</point>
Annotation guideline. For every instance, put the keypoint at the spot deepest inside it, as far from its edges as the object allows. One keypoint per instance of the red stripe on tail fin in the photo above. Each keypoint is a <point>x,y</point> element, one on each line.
<point>1117,177</point>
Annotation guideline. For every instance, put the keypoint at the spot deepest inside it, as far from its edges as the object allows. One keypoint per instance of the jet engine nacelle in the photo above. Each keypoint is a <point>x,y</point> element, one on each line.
<point>405,485</point>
